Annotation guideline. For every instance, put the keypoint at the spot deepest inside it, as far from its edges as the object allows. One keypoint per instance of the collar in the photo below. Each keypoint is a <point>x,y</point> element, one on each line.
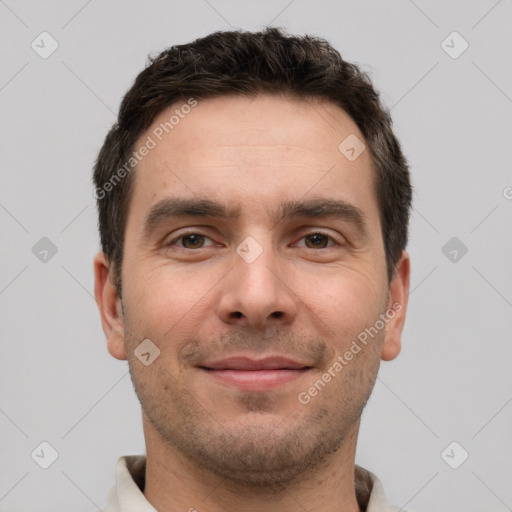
<point>127,496</point>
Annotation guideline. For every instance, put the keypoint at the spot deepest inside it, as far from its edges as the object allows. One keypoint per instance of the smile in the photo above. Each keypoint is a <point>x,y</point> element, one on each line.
<point>256,380</point>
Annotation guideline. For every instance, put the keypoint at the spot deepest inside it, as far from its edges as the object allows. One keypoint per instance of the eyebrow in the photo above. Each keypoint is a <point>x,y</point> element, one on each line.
<point>173,208</point>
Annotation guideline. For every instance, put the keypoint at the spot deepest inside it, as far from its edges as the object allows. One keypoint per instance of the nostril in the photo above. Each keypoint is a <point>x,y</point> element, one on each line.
<point>277,314</point>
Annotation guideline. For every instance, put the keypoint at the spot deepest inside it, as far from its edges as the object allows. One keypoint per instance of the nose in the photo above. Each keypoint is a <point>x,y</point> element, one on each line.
<point>256,294</point>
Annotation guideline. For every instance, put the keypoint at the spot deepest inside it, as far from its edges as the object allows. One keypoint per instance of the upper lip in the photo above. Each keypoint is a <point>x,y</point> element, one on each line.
<point>248,363</point>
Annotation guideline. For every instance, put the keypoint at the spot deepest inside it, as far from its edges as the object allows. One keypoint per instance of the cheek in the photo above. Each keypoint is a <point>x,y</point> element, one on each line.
<point>346,302</point>
<point>165,303</point>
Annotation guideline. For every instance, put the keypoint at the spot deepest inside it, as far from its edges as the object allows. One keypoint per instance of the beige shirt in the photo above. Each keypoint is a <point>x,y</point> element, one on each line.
<point>131,471</point>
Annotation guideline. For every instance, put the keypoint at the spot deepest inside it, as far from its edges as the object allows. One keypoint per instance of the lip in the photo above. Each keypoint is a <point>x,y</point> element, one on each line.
<point>250,374</point>
<point>248,363</point>
<point>255,380</point>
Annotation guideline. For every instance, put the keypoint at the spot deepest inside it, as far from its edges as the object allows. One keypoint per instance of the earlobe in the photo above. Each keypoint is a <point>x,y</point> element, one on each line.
<point>109,306</point>
<point>396,308</point>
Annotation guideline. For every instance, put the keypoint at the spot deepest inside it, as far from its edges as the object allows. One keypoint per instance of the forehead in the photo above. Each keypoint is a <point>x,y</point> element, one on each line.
<point>253,151</point>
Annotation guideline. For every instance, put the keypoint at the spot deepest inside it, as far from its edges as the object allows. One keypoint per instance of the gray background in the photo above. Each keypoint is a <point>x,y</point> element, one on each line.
<point>452,381</point>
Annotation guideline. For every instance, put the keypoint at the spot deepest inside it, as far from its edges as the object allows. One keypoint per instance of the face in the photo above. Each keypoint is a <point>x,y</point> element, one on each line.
<point>254,262</point>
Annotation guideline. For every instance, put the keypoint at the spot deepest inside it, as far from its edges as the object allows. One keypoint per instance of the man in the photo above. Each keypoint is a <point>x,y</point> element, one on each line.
<point>253,210</point>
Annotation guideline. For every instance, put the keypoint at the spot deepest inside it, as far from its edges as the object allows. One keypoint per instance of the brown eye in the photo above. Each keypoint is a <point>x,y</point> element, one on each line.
<point>317,241</point>
<point>192,241</point>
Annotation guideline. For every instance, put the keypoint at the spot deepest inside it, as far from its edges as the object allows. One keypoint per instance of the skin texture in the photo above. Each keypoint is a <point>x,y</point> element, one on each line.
<point>210,445</point>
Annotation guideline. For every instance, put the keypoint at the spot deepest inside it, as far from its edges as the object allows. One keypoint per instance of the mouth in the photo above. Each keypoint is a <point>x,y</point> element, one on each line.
<point>255,375</point>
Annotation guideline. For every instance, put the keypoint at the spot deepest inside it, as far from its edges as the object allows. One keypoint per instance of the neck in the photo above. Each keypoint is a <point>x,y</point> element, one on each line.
<point>174,483</point>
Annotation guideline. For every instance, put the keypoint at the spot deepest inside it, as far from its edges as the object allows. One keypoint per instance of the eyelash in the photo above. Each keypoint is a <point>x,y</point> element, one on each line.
<point>184,235</point>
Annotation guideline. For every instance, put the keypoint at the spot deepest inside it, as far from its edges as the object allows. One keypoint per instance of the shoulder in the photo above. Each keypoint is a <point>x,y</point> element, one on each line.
<point>370,493</point>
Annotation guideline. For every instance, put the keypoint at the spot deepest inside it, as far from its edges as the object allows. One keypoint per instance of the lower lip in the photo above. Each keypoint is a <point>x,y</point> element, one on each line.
<point>256,380</point>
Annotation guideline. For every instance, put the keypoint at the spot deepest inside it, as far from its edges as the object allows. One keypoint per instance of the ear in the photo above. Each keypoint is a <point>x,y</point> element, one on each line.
<point>109,306</point>
<point>396,308</point>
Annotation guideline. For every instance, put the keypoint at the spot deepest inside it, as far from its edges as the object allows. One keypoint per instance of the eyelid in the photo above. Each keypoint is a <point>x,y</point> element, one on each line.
<point>175,239</point>
<point>323,233</point>
<point>199,232</point>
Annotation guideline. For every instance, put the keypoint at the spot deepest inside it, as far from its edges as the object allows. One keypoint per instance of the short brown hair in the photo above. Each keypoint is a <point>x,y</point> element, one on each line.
<point>248,63</point>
